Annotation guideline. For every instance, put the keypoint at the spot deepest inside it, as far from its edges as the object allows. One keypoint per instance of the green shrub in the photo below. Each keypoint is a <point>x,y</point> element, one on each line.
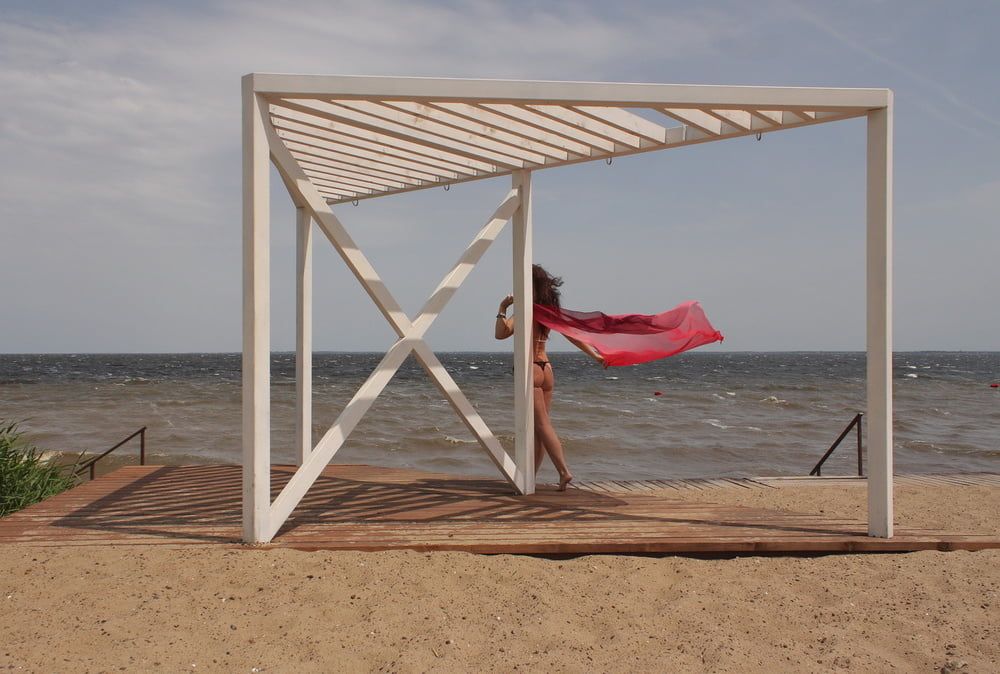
<point>25,477</point>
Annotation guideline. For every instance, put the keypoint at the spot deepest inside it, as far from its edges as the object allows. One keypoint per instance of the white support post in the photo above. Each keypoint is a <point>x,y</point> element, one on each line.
<point>256,319</point>
<point>303,335</point>
<point>879,273</point>
<point>524,419</point>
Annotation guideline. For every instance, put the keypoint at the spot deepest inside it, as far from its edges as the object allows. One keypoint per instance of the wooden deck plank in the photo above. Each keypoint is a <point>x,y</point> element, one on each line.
<point>356,507</point>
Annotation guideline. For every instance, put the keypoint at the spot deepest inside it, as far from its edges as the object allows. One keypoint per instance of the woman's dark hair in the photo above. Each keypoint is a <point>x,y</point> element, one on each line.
<point>545,286</point>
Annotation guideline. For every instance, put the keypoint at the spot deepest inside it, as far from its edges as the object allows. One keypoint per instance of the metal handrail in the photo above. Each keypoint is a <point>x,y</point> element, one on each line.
<point>856,421</point>
<point>90,463</point>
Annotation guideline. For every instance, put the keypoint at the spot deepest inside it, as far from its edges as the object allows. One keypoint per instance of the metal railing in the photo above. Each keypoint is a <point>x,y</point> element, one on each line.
<point>90,463</point>
<point>856,421</point>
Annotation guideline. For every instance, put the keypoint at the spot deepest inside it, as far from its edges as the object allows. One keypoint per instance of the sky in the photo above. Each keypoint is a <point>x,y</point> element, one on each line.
<point>120,172</point>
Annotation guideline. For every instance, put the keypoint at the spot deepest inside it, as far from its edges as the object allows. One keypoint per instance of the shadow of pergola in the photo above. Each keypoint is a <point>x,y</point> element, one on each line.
<point>205,503</point>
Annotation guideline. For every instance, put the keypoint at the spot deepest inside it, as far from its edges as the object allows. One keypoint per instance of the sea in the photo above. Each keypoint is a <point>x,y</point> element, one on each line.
<point>694,415</point>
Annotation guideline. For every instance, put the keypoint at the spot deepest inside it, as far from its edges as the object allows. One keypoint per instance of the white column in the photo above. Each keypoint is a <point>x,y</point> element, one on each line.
<point>303,336</point>
<point>256,320</point>
<point>524,420</point>
<point>879,251</point>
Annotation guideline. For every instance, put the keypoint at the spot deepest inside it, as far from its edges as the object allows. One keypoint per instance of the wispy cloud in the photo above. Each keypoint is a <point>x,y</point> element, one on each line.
<point>939,90</point>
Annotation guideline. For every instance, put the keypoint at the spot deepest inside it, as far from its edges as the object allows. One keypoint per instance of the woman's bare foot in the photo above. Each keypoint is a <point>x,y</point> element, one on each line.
<point>564,481</point>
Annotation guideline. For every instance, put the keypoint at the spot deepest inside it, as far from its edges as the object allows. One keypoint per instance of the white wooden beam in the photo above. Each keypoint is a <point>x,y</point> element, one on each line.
<point>879,274</point>
<point>617,94</point>
<point>256,320</point>
<point>329,139</point>
<point>368,180</point>
<point>362,120</point>
<point>572,147</point>
<point>410,336</point>
<point>590,124</point>
<point>740,119</point>
<point>597,144</point>
<point>384,164</point>
<point>303,334</point>
<point>371,138</point>
<point>524,425</point>
<point>627,121</point>
<point>698,119</point>
<point>509,154</point>
<point>495,133</point>
<point>305,158</point>
<point>323,181</point>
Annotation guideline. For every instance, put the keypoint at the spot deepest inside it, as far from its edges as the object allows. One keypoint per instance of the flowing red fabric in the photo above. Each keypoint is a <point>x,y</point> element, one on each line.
<point>630,339</point>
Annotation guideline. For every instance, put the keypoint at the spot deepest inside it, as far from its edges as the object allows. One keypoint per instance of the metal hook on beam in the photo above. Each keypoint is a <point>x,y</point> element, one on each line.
<point>759,135</point>
<point>354,202</point>
<point>609,160</point>
<point>447,187</point>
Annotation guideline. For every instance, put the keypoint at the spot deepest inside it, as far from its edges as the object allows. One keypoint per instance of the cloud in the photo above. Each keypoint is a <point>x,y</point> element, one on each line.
<point>939,90</point>
<point>137,112</point>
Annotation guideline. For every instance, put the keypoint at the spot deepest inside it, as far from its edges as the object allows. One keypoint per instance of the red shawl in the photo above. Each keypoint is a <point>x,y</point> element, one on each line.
<point>630,339</point>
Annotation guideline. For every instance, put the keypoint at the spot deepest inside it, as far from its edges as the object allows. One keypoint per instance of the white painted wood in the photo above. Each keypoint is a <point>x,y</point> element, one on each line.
<point>497,133</point>
<point>546,123</point>
<point>567,93</point>
<point>352,153</point>
<point>627,121</point>
<point>306,132</point>
<point>374,182</point>
<point>590,124</point>
<point>769,117</point>
<point>349,137</point>
<point>383,165</point>
<point>508,154</point>
<point>496,120</point>
<point>698,119</point>
<point>377,139</point>
<point>738,118</point>
<point>340,166</point>
<point>256,320</point>
<point>362,120</point>
<point>524,424</point>
<point>879,273</point>
<point>469,416</point>
<point>303,334</point>
<point>410,333</point>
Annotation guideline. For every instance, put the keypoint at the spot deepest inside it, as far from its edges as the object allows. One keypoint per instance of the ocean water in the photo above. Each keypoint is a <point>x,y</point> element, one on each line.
<point>698,414</point>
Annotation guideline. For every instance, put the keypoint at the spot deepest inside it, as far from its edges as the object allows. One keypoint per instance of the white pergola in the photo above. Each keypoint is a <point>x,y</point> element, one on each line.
<point>336,139</point>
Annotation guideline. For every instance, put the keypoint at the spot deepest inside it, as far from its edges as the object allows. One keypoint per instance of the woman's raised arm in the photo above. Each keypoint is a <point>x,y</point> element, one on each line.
<point>504,326</point>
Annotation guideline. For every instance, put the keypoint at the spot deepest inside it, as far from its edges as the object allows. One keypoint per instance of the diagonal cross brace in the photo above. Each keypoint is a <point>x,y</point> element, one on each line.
<point>411,334</point>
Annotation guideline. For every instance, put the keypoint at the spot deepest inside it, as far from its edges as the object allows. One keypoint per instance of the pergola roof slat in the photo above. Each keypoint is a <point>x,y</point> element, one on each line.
<point>361,172</point>
<point>347,162</point>
<point>516,127</point>
<point>366,137</point>
<point>549,124</point>
<point>280,123</point>
<point>374,181</point>
<point>383,127</point>
<point>496,133</point>
<point>352,151</point>
<point>379,139</point>
<point>500,152</point>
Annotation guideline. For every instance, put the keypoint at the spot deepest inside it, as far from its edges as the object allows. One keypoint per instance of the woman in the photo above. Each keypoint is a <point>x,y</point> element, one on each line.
<point>546,292</point>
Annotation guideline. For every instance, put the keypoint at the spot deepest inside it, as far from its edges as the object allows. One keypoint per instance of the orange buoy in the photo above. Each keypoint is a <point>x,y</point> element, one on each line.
<point>994,385</point>
<point>659,393</point>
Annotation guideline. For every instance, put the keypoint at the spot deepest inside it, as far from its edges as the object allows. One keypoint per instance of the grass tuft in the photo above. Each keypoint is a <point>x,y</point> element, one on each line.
<point>25,477</point>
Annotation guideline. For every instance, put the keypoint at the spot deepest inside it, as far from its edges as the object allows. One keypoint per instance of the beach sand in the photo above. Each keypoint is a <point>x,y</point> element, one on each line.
<point>171,609</point>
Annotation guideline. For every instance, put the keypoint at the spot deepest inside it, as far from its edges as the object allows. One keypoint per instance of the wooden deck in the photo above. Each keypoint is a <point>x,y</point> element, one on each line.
<point>373,508</point>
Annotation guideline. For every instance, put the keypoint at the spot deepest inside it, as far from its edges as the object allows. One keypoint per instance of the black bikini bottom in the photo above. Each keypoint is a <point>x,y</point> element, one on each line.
<point>542,364</point>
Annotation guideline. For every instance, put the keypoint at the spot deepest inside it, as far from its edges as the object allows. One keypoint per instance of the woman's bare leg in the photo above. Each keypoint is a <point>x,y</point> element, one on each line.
<point>539,447</point>
<point>545,431</point>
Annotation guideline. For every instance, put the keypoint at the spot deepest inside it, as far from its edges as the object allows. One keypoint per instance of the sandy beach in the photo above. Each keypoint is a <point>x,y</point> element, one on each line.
<point>160,608</point>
